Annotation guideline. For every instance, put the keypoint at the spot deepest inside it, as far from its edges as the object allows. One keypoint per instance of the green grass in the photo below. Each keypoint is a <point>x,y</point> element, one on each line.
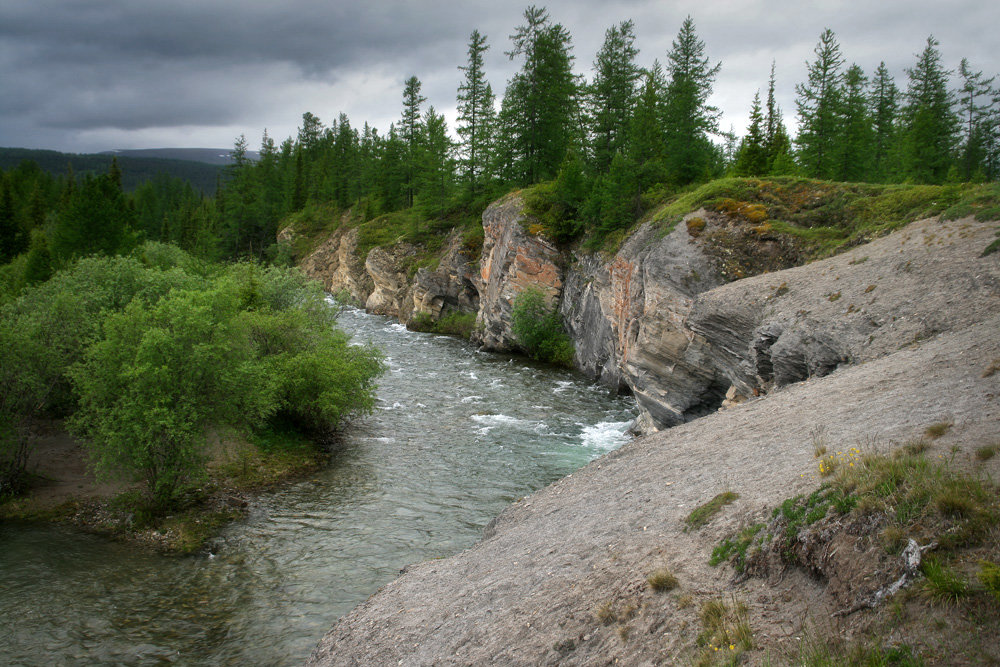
<point>824,218</point>
<point>452,324</point>
<point>704,513</point>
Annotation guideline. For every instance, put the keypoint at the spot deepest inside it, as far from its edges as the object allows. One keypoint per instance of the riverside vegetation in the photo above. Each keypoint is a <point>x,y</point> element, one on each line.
<point>150,357</point>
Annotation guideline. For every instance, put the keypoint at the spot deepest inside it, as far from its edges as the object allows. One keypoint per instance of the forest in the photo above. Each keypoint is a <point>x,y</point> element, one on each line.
<point>104,293</point>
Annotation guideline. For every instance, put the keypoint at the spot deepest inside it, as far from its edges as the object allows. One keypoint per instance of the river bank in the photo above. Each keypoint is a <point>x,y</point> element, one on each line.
<point>64,490</point>
<point>482,430</point>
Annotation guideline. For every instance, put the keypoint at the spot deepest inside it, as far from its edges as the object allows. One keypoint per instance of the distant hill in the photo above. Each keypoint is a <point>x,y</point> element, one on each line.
<point>136,169</point>
<point>220,156</point>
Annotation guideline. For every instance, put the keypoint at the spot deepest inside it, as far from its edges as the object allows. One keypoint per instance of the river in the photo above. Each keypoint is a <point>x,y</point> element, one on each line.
<point>457,435</point>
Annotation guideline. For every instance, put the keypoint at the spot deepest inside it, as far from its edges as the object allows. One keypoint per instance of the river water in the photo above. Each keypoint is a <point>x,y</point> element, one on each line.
<point>456,437</point>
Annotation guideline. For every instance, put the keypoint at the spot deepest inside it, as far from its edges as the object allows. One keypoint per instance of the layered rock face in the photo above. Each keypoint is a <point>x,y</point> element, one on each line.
<point>661,319</point>
<point>382,284</point>
<point>512,261</point>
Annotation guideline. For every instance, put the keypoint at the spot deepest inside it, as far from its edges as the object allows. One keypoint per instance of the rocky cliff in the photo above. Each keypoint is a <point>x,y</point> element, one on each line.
<point>385,281</point>
<point>675,316</point>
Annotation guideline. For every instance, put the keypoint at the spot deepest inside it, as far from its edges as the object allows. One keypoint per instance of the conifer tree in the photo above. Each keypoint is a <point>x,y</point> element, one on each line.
<point>854,145</point>
<point>542,106</point>
<point>818,106</point>
<point>11,237</point>
<point>476,116</point>
<point>929,125</point>
<point>437,165</point>
<point>884,109</point>
<point>612,94</point>
<point>411,131</point>
<point>975,103</point>
<point>751,159</point>
<point>777,145</point>
<point>689,116</point>
<point>647,144</point>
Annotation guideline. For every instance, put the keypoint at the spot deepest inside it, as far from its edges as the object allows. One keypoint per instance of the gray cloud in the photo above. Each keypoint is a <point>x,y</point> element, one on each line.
<point>118,74</point>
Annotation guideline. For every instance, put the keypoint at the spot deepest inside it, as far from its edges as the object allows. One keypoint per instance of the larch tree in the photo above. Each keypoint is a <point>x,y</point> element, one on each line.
<point>818,106</point>
<point>884,103</point>
<point>929,125</point>
<point>975,102</point>
<point>854,146</point>
<point>612,94</point>
<point>542,99</point>
<point>647,145</point>
<point>689,117</point>
<point>476,117</point>
<point>411,131</point>
<point>777,144</point>
<point>751,158</point>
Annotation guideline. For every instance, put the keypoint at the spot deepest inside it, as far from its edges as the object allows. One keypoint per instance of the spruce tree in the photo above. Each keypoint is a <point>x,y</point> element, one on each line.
<point>612,94</point>
<point>11,237</point>
<point>818,106</point>
<point>929,125</point>
<point>689,116</point>
<point>476,116</point>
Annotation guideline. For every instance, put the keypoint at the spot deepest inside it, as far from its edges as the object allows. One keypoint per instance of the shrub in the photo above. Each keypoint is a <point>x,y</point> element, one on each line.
<point>538,329</point>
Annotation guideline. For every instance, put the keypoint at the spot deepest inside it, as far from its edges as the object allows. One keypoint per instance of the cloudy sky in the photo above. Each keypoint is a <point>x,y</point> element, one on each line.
<point>91,75</point>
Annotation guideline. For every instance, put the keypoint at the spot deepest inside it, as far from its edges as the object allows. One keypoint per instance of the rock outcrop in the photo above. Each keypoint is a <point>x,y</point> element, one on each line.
<point>664,318</point>
<point>336,264</point>
<point>627,317</point>
<point>451,287</point>
<point>382,281</point>
<point>512,261</point>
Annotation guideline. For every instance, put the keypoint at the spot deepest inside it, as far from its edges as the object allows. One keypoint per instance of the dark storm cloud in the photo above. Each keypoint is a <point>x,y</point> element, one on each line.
<point>102,74</point>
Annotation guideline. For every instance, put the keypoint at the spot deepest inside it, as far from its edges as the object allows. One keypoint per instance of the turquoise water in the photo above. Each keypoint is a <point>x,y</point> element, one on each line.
<point>457,435</point>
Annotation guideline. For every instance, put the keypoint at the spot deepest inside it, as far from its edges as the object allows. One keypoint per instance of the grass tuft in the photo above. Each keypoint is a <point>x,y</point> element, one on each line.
<point>935,431</point>
<point>702,514</point>
<point>662,580</point>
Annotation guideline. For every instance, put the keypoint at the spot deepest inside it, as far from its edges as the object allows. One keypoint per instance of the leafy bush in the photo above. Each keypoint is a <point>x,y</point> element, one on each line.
<point>149,356</point>
<point>538,329</point>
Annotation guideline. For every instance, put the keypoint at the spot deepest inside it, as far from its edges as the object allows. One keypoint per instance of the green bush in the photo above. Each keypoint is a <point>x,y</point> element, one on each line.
<point>146,356</point>
<point>538,329</point>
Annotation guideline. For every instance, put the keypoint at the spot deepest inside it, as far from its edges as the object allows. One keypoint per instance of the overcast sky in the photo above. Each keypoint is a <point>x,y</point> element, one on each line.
<point>92,75</point>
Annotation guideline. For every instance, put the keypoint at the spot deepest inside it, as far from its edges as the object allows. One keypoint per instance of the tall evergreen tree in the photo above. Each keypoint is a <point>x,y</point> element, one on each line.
<point>854,145</point>
<point>929,124</point>
<point>11,237</point>
<point>411,132</point>
<point>777,145</point>
<point>975,104</point>
<point>818,106</point>
<point>542,99</point>
<point>885,111</point>
<point>689,117</point>
<point>647,142</point>
<point>612,93</point>
<point>437,165</point>
<point>476,116</point>
<point>751,159</point>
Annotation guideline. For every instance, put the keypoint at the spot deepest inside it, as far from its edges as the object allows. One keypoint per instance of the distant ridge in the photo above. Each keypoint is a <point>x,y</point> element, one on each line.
<point>136,169</point>
<point>218,156</point>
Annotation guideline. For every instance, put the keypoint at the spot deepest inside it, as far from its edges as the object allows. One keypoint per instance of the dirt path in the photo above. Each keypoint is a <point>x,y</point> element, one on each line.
<point>530,592</point>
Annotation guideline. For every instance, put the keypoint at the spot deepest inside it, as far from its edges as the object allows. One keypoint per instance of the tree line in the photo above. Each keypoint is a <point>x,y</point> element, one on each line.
<point>598,145</point>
